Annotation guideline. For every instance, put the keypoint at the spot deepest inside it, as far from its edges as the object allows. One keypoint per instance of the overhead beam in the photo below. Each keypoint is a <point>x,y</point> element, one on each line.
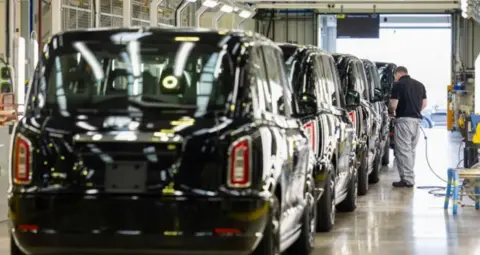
<point>365,7</point>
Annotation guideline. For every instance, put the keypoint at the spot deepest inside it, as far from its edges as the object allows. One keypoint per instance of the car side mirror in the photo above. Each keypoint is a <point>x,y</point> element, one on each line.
<point>352,99</point>
<point>378,95</point>
<point>308,103</point>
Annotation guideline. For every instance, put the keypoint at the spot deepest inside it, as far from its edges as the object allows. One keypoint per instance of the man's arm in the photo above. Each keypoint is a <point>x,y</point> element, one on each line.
<point>424,96</point>
<point>394,98</point>
<point>424,104</point>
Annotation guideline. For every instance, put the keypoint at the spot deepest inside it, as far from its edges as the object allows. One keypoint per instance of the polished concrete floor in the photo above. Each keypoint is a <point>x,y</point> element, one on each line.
<point>392,221</point>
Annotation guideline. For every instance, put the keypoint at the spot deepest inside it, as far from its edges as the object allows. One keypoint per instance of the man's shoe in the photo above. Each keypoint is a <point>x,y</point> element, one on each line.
<point>402,184</point>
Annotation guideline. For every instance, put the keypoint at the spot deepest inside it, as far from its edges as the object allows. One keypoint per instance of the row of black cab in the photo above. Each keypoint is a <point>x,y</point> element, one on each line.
<point>173,141</point>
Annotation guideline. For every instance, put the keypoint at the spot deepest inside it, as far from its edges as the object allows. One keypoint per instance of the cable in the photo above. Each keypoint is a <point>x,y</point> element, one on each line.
<point>439,191</point>
<point>426,156</point>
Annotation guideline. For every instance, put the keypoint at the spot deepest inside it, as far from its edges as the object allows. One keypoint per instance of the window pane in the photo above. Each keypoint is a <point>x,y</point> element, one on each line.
<point>105,75</point>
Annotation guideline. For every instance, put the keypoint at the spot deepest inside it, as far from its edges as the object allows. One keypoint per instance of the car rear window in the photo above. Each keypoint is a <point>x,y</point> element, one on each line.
<point>185,73</point>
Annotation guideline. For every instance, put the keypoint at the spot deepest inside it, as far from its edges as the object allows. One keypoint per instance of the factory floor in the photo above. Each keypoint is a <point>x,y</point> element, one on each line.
<point>397,221</point>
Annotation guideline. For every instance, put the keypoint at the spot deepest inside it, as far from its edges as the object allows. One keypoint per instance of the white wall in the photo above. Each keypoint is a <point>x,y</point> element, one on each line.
<point>426,53</point>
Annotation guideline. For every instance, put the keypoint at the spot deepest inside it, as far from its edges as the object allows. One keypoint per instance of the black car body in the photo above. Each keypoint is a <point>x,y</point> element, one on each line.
<point>353,78</point>
<point>386,72</point>
<point>158,141</point>
<point>382,119</point>
<point>322,108</point>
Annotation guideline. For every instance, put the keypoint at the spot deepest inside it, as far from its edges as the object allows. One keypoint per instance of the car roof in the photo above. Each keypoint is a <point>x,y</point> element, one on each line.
<point>302,50</point>
<point>164,35</point>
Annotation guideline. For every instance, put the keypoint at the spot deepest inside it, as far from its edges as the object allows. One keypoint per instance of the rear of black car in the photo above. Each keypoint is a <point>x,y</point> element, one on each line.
<point>131,145</point>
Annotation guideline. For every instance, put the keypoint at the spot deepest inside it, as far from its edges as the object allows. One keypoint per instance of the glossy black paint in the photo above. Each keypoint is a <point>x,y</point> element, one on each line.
<point>185,205</point>
<point>380,109</point>
<point>315,83</point>
<point>386,71</point>
<point>353,77</point>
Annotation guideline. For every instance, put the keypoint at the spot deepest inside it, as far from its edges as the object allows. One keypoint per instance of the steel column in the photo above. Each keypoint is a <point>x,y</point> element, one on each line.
<point>154,12</point>
<point>97,11</point>
<point>127,13</point>
<point>217,18</point>
<point>56,12</point>
<point>198,14</point>
<point>178,13</point>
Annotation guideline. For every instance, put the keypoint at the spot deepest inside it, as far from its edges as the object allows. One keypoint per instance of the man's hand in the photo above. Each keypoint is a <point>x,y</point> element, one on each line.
<point>393,105</point>
<point>424,104</point>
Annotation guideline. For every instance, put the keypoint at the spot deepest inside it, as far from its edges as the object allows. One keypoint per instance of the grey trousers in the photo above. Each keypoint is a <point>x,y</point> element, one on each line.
<point>407,132</point>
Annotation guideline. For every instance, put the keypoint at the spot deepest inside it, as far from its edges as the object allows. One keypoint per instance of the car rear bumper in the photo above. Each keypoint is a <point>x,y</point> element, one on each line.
<point>53,224</point>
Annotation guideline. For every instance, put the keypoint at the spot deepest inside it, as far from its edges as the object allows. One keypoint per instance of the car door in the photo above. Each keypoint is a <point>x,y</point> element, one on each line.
<point>347,134</point>
<point>297,141</point>
<point>337,128</point>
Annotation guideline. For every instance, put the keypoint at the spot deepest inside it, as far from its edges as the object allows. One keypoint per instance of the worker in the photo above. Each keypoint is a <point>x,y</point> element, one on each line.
<point>407,101</point>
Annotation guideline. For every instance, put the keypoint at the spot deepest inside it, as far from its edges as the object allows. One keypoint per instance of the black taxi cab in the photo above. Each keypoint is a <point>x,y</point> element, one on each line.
<point>160,141</point>
<point>352,75</point>
<point>323,111</point>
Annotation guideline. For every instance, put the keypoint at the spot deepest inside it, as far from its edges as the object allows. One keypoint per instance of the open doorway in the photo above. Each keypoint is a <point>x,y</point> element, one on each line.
<point>424,47</point>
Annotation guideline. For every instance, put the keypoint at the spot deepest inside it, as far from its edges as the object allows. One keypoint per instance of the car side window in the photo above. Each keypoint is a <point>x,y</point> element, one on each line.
<point>258,78</point>
<point>336,81</point>
<point>361,79</point>
<point>331,88</point>
<point>322,82</point>
<point>281,99</point>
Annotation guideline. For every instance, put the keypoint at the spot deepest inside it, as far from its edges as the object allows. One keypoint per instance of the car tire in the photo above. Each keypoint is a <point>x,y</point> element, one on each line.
<point>14,250</point>
<point>363,176</point>
<point>326,205</point>
<point>350,202</point>
<point>270,243</point>
<point>306,240</point>
<point>374,176</point>
<point>386,153</point>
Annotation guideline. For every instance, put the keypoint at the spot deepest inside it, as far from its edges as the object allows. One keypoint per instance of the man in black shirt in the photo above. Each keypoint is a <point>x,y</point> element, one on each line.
<point>407,101</point>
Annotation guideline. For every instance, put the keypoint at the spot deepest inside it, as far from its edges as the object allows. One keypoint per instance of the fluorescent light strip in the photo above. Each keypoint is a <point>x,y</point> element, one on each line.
<point>227,8</point>
<point>210,3</point>
<point>245,14</point>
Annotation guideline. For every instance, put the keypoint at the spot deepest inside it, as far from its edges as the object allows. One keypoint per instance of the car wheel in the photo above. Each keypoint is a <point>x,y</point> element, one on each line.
<point>386,153</point>
<point>363,176</point>
<point>374,176</point>
<point>326,205</point>
<point>14,250</point>
<point>306,241</point>
<point>270,244</point>
<point>350,202</point>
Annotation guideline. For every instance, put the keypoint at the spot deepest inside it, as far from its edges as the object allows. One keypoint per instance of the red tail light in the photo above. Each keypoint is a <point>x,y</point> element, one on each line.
<point>239,170</point>
<point>22,160</point>
<point>310,128</point>
<point>352,116</point>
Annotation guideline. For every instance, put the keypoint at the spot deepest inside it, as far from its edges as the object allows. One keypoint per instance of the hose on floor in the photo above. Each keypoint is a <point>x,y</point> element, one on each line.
<point>439,191</point>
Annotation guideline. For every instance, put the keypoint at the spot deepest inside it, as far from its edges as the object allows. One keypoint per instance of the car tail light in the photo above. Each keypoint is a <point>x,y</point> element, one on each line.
<point>22,160</point>
<point>352,116</point>
<point>239,170</point>
<point>310,128</point>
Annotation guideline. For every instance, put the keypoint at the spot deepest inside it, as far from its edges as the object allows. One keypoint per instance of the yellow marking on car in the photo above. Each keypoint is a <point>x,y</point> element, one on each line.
<point>251,216</point>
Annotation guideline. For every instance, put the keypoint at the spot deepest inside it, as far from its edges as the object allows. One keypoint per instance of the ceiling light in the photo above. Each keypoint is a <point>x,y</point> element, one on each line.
<point>245,14</point>
<point>210,3</point>
<point>226,8</point>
